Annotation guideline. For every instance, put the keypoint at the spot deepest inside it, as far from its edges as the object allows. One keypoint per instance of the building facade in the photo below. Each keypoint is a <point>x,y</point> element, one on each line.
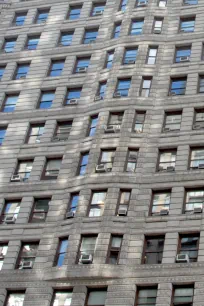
<point>102,153</point>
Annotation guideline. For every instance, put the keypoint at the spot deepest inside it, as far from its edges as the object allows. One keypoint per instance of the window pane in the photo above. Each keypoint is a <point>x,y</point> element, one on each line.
<point>62,298</point>
<point>97,298</point>
<point>15,299</point>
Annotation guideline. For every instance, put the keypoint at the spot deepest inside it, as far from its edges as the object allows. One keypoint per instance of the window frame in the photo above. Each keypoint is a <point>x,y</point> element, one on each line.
<point>14,214</point>
<point>188,190</point>
<point>146,90</point>
<point>95,5</point>
<point>19,14</point>
<point>52,64</point>
<point>80,165</point>
<point>74,7</point>
<point>23,243</point>
<point>139,112</point>
<point>151,237</point>
<point>73,208</point>
<point>188,235</point>
<point>29,38</point>
<point>109,62</point>
<point>58,253</point>
<point>33,125</point>
<point>101,206</point>
<point>41,101</point>
<point>78,59</point>
<point>183,287</point>
<point>173,113</point>
<point>129,150</point>
<point>9,40</point>
<point>114,250</point>
<point>4,105</point>
<point>186,19</point>
<point>180,49</point>
<point>91,289</point>
<point>92,127</point>
<point>9,292</point>
<point>60,42</point>
<point>59,290</point>
<point>145,288</point>
<point>90,40</point>
<point>16,171</point>
<point>138,29</point>
<point>45,177</point>
<point>34,212</point>
<point>155,192</point>
<point>119,203</point>
<point>181,90</point>
<point>163,151</point>
<point>42,20</point>
<point>150,56</point>
<point>80,245</point>
<point>129,58</point>
<point>116,32</point>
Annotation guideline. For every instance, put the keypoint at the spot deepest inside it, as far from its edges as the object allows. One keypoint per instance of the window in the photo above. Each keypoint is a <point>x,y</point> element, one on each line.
<point>9,45</point>
<point>157,26</point>
<point>15,298</point>
<point>153,250</point>
<point>96,297</point>
<point>109,59</point>
<point>10,103</point>
<point>24,169</point>
<point>182,54</point>
<point>201,84</point>
<point>88,245</point>
<point>3,251</point>
<point>130,56</point>
<point>83,163</point>
<point>32,43</point>
<point>161,201</point>
<point>74,200</point>
<point>42,16</point>
<point>10,211</point>
<point>190,2</point>
<point>2,69</point>
<point>187,25</point>
<point>145,87</point>
<point>162,3</point>
<point>116,120</point>
<point>74,12</point>
<point>123,5</point>
<point>52,169</point>
<point>123,87</point>
<point>19,19</point>
<point>61,252</point>
<point>82,64</point>
<point>66,39</point>
<point>56,68</point>
<point>198,119</point>
<point>136,27</point>
<point>98,9</point>
<point>27,256</point>
<point>2,134</point>
<point>63,131</point>
<point>152,55</point>
<point>189,245</point>
<point>35,133</point>
<point>123,203</point>
<point>97,203</point>
<point>178,86</point>
<point>62,298</point>
<point>101,90</point>
<point>139,121</point>
<point>72,95</point>
<point>194,199</point>
<point>93,125</point>
<point>131,160</point>
<point>40,210</point>
<point>114,249</point>
<point>172,122</point>
<point>146,296</point>
<point>90,36</point>
<point>197,158</point>
<point>183,295</point>
<point>117,28</point>
<point>46,99</point>
<point>167,160</point>
<point>107,159</point>
<point>22,71</point>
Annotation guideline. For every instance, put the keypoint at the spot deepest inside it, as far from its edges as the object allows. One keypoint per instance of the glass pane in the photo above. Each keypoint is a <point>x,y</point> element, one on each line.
<point>63,245</point>
<point>62,299</point>
<point>116,242</point>
<point>98,198</point>
<point>97,298</point>
<point>15,299</point>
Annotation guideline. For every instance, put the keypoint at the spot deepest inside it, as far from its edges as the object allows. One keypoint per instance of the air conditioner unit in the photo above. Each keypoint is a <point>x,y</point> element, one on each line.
<point>22,77</point>
<point>172,93</point>
<point>26,264</point>
<point>182,258</point>
<point>198,210</point>
<point>98,98</point>
<point>164,212</point>
<point>112,128</point>
<point>70,214</point>
<point>86,258</point>
<point>170,169</point>
<point>130,62</point>
<point>103,168</point>
<point>9,219</point>
<point>91,41</point>
<point>117,95</point>
<point>157,31</point>
<point>97,13</point>
<point>55,138</point>
<point>122,212</point>
<point>182,30</point>
<point>198,126</point>
<point>184,58</point>
<point>166,129</point>
<point>73,101</point>
<point>201,166</point>
<point>142,3</point>
<point>82,69</point>
<point>15,178</point>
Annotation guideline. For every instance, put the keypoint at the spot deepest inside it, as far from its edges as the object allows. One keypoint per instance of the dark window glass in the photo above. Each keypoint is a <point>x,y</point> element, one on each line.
<point>63,130</point>
<point>72,94</point>
<point>96,297</point>
<point>130,56</point>
<point>131,160</point>
<point>136,27</point>
<point>32,43</point>
<point>114,249</point>
<point>187,25</point>
<point>27,256</point>
<point>83,163</point>
<point>46,99</point>
<point>146,296</point>
<point>92,126</point>
<point>199,119</point>
<point>19,19</point>
<point>35,133</point>
<point>183,54</point>
<point>183,295</point>
<point>90,36</point>
<point>52,169</point>
<point>178,86</point>
<point>2,69</point>
<point>201,84</point>
<point>40,210</point>
<point>61,253</point>
<point>66,39</point>
<point>153,251</point>
<point>161,201</point>
<point>56,68</point>
<point>22,71</point>
<point>9,45</point>
<point>42,16</point>
<point>74,12</point>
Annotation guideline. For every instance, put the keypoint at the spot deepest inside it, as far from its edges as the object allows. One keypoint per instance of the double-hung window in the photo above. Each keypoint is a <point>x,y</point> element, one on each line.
<point>101,90</point>
<point>56,68</point>
<point>74,12</point>
<point>27,256</point>
<point>139,121</point>
<point>83,163</point>
<point>24,169</point>
<point>40,210</point>
<point>145,87</point>
<point>9,45</point>
<point>124,201</point>
<point>92,125</point>
<point>146,296</point>
<point>3,252</point>
<point>197,158</point>
<point>182,54</point>
<point>172,121</point>
<point>66,39</point>
<point>131,163</point>
<point>10,211</point>
<point>199,119</point>
<point>61,252</point>
<point>109,59</point>
<point>152,55</point>
<point>46,99</point>
<point>73,94</point>
<point>35,133</point>
<point>10,103</point>
<point>122,88</point>
<point>183,295</point>
<point>32,43</point>
<point>2,69</point>
<point>63,130</point>
<point>62,297</point>
<point>82,64</point>
<point>96,297</point>
<point>114,249</point>
<point>189,245</point>
<point>117,28</point>
<point>157,26</point>
<point>98,9</point>
<point>15,298</point>
<point>90,36</point>
<point>73,203</point>
<point>107,159</point>
<point>201,84</point>
<point>194,200</point>
<point>97,203</point>
<point>136,27</point>
<point>42,16</point>
<point>115,120</point>
<point>130,56</point>
<point>167,160</point>
<point>52,169</point>
<point>19,19</point>
<point>187,25</point>
<point>123,5</point>
<point>161,201</point>
<point>22,71</point>
<point>87,247</point>
<point>2,134</point>
<point>178,86</point>
<point>153,249</point>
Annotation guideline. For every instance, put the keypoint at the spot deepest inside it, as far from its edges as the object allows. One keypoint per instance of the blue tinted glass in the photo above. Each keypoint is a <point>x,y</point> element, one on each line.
<point>82,170</point>
<point>85,159</point>
<point>124,84</point>
<point>9,45</point>
<point>20,19</point>
<point>137,27</point>
<point>74,13</point>
<point>178,84</point>
<point>2,134</point>
<point>23,69</point>
<point>66,39</point>
<point>32,43</point>
<point>184,52</point>
<point>74,94</point>
<point>1,72</point>
<point>61,259</point>
<point>98,8</point>
<point>83,63</point>
<point>63,245</point>
<point>123,5</point>
<point>47,96</point>
<point>43,15</point>
<point>102,89</point>
<point>74,201</point>
<point>57,68</point>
